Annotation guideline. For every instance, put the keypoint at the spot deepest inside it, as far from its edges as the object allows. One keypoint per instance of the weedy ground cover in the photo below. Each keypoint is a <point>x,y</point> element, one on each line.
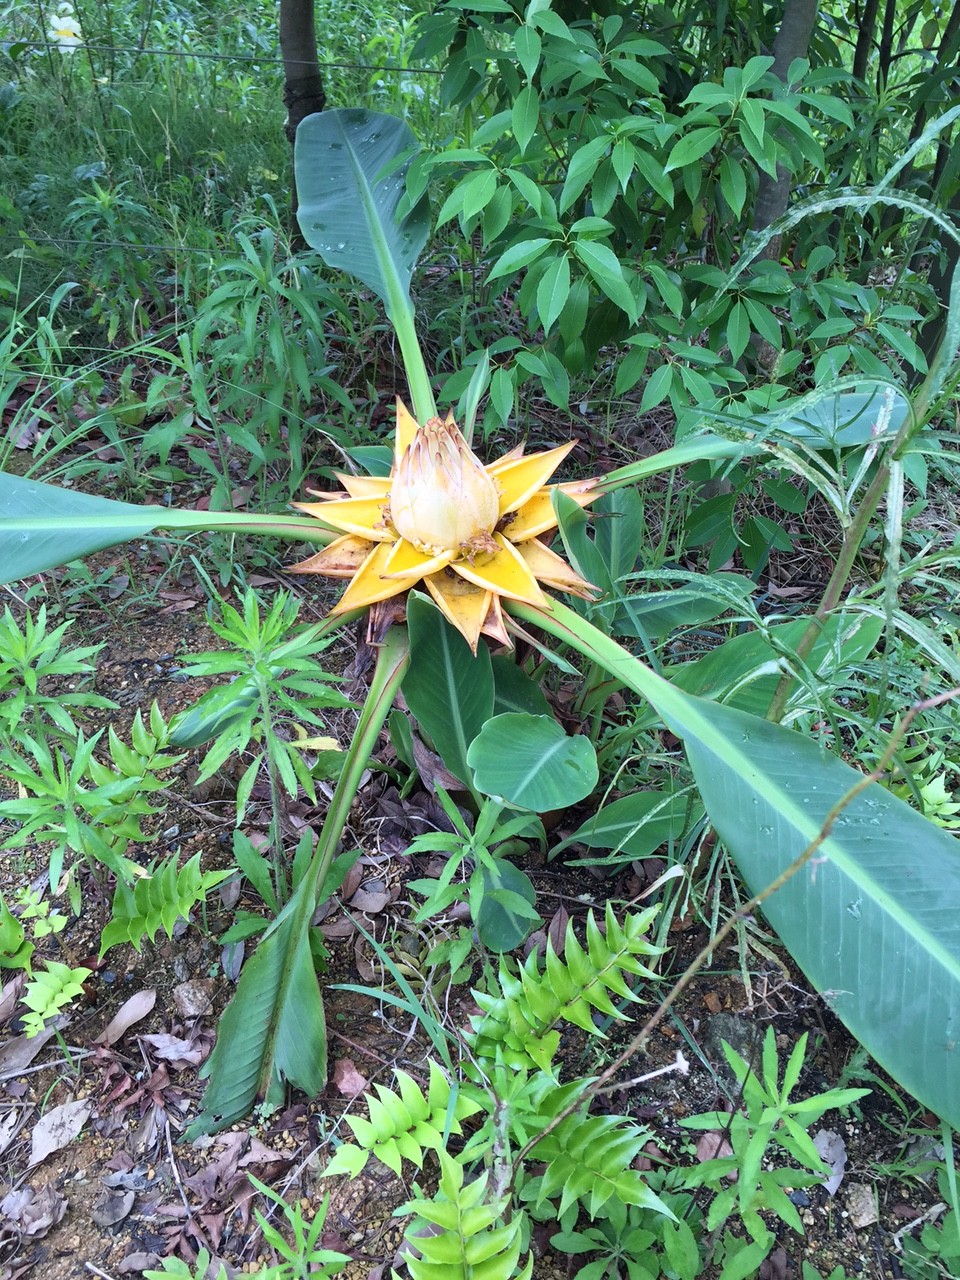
<point>718,749</point>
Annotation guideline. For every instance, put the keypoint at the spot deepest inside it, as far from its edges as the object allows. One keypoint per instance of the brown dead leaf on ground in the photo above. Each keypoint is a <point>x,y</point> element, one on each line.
<point>347,1079</point>
<point>18,1053</point>
<point>33,1212</point>
<point>58,1128</point>
<point>833,1152</point>
<point>712,1144</point>
<point>179,1053</point>
<point>129,1013</point>
<point>10,997</point>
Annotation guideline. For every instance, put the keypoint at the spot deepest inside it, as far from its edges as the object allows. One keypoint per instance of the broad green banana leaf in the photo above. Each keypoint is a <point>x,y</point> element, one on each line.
<point>351,166</point>
<point>43,526</point>
<point>349,187</point>
<point>873,918</point>
<point>272,1031</point>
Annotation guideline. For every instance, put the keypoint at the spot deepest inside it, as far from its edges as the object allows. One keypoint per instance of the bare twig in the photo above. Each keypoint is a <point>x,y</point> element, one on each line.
<point>176,1169</point>
<point>95,1271</point>
<point>680,1065</point>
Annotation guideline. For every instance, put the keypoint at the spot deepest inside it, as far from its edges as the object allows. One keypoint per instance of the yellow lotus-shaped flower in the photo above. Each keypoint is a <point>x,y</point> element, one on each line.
<point>470,533</point>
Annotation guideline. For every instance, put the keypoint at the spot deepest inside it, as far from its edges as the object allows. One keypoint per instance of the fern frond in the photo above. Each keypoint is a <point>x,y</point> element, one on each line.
<point>520,1022</point>
<point>473,1242</point>
<point>404,1125</point>
<point>158,900</point>
<point>588,1158</point>
<point>47,993</point>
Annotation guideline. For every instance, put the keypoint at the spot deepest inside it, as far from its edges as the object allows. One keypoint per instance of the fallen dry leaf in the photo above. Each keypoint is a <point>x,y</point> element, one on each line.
<point>112,1207</point>
<point>713,1145</point>
<point>10,1123</point>
<point>342,927</point>
<point>179,1053</point>
<point>10,996</point>
<point>833,1152</point>
<point>348,1079</point>
<point>557,929</point>
<point>58,1128</point>
<point>372,896</point>
<point>130,1012</point>
<point>138,1263</point>
<point>774,1266</point>
<point>18,1053</point>
<point>33,1213</point>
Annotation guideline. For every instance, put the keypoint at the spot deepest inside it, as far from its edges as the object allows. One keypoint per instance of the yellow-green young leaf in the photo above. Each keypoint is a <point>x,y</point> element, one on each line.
<point>347,1159</point>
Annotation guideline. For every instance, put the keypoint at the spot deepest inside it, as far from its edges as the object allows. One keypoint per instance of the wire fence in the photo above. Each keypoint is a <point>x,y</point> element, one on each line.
<point>132,246</point>
<point>207,55</point>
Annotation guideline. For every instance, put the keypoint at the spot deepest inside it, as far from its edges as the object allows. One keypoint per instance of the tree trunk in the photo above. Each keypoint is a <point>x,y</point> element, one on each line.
<point>868,24</point>
<point>792,41</point>
<point>303,86</point>
<point>940,279</point>
<point>886,45</point>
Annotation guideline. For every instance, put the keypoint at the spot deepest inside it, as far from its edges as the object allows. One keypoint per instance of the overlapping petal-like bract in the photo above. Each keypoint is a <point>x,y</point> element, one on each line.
<point>471,534</point>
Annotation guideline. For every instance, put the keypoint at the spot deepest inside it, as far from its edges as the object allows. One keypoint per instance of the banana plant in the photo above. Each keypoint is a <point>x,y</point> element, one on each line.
<point>873,918</point>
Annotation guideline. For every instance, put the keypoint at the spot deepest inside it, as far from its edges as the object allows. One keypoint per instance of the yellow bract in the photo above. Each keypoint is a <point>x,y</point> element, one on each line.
<point>469,533</point>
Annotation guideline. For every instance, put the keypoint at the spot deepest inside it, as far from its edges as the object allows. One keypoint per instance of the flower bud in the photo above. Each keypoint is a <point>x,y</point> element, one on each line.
<point>442,498</point>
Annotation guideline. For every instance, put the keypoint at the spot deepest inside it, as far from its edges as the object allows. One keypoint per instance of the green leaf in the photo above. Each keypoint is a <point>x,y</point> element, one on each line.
<point>475,193</point>
<point>733,184</point>
<point>657,613</point>
<point>272,1031</point>
<point>448,689</point>
<point>348,205</point>
<point>657,388</point>
<point>553,291</point>
<point>500,923</point>
<point>604,265</point>
<point>531,763</point>
<point>513,690</point>
<point>218,710</point>
<point>842,418</point>
<point>518,256</point>
<point>42,526</point>
<point>525,116</point>
<point>691,148</point>
<point>527,43</point>
<point>844,641</point>
<point>738,331</point>
<point>636,825</point>
<point>872,917</point>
